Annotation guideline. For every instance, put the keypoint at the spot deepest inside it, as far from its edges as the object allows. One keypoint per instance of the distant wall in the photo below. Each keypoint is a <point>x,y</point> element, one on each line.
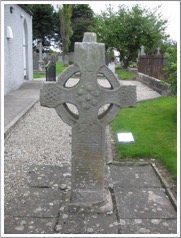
<point>154,83</point>
<point>17,67</point>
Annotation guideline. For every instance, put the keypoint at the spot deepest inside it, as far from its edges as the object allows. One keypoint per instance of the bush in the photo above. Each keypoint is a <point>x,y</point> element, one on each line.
<point>171,68</point>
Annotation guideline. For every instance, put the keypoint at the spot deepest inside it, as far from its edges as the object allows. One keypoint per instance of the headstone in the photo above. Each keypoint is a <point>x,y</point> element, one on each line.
<point>53,58</point>
<point>46,60</point>
<point>35,61</point>
<point>158,51</point>
<point>41,62</point>
<point>142,50</point>
<point>66,60</point>
<point>60,58</point>
<point>111,66</point>
<point>88,128</point>
<point>51,71</point>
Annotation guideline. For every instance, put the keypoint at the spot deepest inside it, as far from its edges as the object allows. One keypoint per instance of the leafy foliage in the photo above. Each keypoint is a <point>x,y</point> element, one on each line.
<point>171,68</point>
<point>127,29</point>
<point>81,20</point>
<point>44,23</point>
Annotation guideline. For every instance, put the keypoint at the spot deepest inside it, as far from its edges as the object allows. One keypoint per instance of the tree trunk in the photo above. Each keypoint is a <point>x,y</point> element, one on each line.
<point>125,63</point>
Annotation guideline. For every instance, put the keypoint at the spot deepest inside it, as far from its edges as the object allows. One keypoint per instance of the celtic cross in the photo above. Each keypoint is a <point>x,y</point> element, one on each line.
<point>88,125</point>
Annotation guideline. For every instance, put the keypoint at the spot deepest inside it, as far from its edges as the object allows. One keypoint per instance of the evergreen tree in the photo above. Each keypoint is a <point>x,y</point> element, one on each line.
<point>81,19</point>
<point>43,23</point>
<point>66,32</point>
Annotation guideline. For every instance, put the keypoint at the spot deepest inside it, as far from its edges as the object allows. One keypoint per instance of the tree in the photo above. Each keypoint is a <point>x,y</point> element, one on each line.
<point>43,23</point>
<point>66,32</point>
<point>81,19</point>
<point>127,29</point>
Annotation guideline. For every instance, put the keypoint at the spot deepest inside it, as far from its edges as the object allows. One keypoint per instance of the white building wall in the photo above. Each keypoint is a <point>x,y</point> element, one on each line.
<point>13,48</point>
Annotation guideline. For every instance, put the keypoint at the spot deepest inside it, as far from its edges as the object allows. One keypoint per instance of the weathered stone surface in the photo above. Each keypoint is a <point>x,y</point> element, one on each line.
<point>148,226</point>
<point>88,128</point>
<point>29,225</point>
<point>48,176</point>
<point>143,203</point>
<point>139,194</point>
<point>36,202</point>
<point>87,223</point>
<point>137,176</point>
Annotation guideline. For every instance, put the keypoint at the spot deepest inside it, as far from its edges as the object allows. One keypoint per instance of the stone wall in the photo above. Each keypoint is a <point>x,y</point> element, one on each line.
<point>155,84</point>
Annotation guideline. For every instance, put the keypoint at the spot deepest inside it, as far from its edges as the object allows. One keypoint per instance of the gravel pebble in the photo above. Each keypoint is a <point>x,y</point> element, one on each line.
<point>40,138</point>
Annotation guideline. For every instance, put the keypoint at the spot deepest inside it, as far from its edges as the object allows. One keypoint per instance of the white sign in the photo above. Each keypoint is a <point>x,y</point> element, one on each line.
<point>125,137</point>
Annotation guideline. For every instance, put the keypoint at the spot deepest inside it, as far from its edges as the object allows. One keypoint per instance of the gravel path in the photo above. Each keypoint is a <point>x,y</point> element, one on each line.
<point>41,138</point>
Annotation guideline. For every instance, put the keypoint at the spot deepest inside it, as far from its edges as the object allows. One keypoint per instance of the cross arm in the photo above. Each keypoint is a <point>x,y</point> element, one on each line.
<point>123,96</point>
<point>52,95</point>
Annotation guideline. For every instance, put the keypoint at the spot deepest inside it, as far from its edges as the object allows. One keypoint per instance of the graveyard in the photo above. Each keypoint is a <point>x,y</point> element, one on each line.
<point>62,174</point>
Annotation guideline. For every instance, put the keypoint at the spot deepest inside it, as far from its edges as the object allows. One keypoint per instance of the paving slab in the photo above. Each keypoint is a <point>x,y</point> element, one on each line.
<point>36,202</point>
<point>143,203</point>
<point>49,176</point>
<point>29,225</point>
<point>134,176</point>
<point>148,226</point>
<point>87,223</point>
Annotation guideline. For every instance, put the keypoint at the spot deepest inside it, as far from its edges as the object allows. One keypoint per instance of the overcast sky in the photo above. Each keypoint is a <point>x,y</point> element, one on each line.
<point>169,9</point>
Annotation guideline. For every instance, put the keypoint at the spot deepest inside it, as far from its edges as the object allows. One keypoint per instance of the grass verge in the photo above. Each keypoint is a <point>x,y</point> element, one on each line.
<point>154,127</point>
<point>59,67</point>
<point>36,76</point>
<point>124,74</point>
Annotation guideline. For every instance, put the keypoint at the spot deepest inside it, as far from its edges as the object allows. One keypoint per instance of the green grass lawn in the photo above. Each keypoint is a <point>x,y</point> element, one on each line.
<point>124,74</point>
<point>59,69</point>
<point>154,127</point>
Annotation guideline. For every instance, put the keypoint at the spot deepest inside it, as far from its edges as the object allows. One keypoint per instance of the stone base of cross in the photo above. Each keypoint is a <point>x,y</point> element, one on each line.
<point>88,126</point>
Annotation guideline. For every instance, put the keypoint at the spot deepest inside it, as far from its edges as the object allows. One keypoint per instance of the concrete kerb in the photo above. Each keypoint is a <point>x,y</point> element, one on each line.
<point>158,174</point>
<point>11,125</point>
<point>166,186</point>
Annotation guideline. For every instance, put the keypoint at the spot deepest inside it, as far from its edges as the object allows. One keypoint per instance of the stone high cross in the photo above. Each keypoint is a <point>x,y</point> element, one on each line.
<point>40,48</point>
<point>88,128</point>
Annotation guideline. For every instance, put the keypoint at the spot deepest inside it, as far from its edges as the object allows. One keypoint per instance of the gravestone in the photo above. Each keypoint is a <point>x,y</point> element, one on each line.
<point>88,126</point>
<point>35,60</point>
<point>111,66</point>
<point>60,58</point>
<point>66,60</point>
<point>53,58</point>
<point>158,51</point>
<point>51,71</point>
<point>142,52</point>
